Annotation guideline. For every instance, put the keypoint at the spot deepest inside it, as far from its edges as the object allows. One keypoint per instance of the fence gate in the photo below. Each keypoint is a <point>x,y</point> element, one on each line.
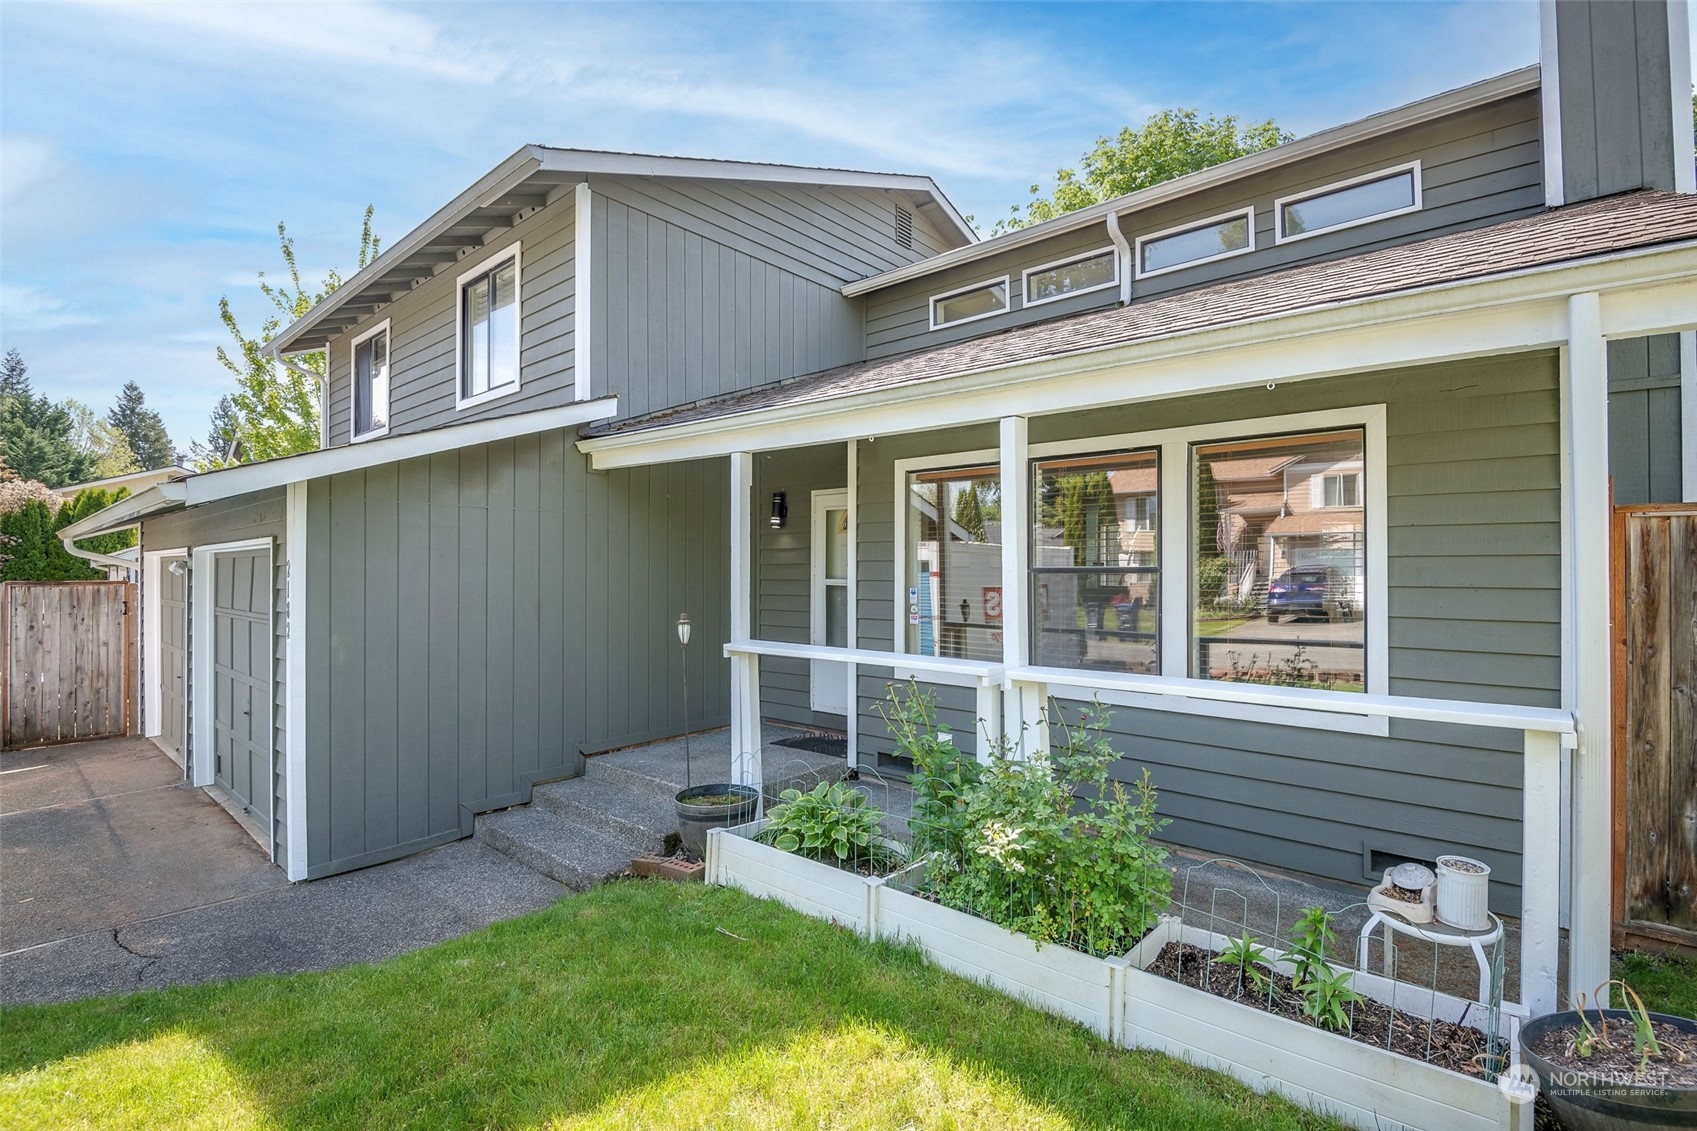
<point>1655,707</point>
<point>69,671</point>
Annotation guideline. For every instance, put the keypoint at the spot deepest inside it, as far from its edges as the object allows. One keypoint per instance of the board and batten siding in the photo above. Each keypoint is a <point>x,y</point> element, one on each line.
<point>259,515</point>
<point>1645,459</point>
<point>783,576</point>
<point>482,618</point>
<point>701,291</point>
<point>422,333</point>
<point>1479,166</point>
<point>1474,592</point>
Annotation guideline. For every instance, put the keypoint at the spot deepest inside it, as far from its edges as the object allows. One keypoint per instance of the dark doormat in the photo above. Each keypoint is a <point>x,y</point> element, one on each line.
<point>833,745</point>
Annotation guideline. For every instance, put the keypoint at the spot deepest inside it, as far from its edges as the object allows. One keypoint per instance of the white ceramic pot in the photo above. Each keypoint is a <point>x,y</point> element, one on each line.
<point>1464,887</point>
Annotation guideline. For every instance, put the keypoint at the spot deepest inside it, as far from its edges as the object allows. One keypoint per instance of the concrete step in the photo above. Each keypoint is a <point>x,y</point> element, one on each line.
<point>559,848</point>
<point>640,816</point>
<point>648,782</point>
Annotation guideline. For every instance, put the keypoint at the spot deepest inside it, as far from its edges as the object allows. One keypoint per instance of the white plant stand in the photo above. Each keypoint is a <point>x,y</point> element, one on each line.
<point>1435,933</point>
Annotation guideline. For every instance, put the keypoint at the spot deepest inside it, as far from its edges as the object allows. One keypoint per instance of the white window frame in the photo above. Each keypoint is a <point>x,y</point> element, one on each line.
<point>1176,535</point>
<point>354,434</point>
<point>1279,236</point>
<point>1025,277</point>
<point>1317,492</point>
<point>1007,283</point>
<point>1247,214</point>
<point>483,267</point>
<point>822,672</point>
<point>981,457</point>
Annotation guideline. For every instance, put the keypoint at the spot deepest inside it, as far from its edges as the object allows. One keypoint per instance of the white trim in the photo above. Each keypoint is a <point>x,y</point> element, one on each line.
<point>1679,63</point>
<point>1587,510</point>
<point>1279,205</point>
<point>1027,301</point>
<point>822,672</point>
<point>1688,415</point>
<point>355,436</point>
<point>1326,141</point>
<point>1645,291</point>
<point>487,265</point>
<point>1175,477</point>
<point>1247,214</point>
<point>852,459</point>
<point>583,310</point>
<point>294,680</point>
<point>1549,95</point>
<point>1006,283</point>
<point>902,467</point>
<point>203,578</point>
<point>152,704</point>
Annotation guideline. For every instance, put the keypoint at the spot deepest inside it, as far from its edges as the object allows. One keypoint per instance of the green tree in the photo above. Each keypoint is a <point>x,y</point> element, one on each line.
<point>30,536</point>
<point>36,434</point>
<point>1085,502</point>
<point>969,511</point>
<point>106,448</point>
<point>142,427</point>
<point>1169,144</point>
<point>219,448</point>
<point>276,406</point>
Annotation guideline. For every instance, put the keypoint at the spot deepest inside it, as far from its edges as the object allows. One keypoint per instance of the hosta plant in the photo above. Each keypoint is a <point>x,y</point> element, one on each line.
<point>833,822</point>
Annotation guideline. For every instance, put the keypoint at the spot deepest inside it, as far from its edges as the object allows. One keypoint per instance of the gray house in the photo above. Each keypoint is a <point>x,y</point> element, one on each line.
<point>1301,462</point>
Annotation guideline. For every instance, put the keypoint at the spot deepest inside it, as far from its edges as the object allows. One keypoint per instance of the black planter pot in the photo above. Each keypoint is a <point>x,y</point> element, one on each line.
<point>1583,1101</point>
<point>694,820</point>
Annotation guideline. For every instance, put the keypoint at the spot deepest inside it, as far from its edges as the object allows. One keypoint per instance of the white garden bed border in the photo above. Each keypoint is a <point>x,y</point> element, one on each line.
<point>1360,1084</point>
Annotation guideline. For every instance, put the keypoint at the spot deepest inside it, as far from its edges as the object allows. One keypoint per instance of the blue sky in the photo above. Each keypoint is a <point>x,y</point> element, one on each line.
<point>149,150</point>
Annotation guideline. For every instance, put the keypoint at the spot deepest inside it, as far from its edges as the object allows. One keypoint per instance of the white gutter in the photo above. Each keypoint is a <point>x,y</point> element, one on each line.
<point>94,558</point>
<point>1122,250</point>
<point>124,514</point>
<point>1326,141</point>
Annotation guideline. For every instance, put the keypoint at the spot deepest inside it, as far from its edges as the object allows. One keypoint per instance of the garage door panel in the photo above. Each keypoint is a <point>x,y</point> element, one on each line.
<point>242,632</point>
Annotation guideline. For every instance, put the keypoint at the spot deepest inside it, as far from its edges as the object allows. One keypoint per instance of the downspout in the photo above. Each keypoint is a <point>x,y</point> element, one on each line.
<point>94,557</point>
<point>1122,250</point>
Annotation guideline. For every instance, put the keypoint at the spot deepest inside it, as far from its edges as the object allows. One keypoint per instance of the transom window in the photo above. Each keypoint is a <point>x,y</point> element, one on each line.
<point>1279,569</point>
<point>1376,196</point>
<point>489,329</point>
<point>1091,271</point>
<point>1095,549</point>
<point>1194,244</point>
<point>981,300</point>
<point>953,571</point>
<point>371,383</point>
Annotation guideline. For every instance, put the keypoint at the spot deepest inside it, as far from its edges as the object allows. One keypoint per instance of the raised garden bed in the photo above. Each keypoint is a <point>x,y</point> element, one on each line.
<point>736,859</point>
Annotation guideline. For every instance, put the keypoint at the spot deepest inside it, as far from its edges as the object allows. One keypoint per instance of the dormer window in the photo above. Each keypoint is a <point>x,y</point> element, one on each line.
<point>980,300</point>
<point>371,382</point>
<point>1191,245</point>
<point>1360,200</point>
<point>489,329</point>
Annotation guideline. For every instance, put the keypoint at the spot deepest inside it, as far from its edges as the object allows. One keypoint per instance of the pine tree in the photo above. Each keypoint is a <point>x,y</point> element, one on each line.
<point>142,427</point>
<point>14,375</point>
<point>36,435</point>
<point>221,448</point>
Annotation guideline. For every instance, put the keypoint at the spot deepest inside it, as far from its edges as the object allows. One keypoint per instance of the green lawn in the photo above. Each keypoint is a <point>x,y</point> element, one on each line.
<point>640,1004</point>
<point>1667,985</point>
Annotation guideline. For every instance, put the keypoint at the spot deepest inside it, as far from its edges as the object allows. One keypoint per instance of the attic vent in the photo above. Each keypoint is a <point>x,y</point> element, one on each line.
<point>904,227</point>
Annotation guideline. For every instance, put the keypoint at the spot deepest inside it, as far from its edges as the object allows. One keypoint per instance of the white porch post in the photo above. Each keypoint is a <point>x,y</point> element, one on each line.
<point>1022,715</point>
<point>1587,692</point>
<point>851,459</point>
<point>1540,868</point>
<point>745,668</point>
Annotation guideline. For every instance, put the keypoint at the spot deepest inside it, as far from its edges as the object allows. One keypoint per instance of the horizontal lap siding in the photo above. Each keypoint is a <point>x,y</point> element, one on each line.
<point>701,293</point>
<point>1474,614</point>
<point>259,515</point>
<point>422,337</point>
<point>479,618</point>
<point>1479,167</point>
<point>783,574</point>
<point>1645,459</point>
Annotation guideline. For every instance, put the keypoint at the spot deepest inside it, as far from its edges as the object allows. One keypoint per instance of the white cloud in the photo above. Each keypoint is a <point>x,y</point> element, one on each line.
<point>24,163</point>
<point>26,309</point>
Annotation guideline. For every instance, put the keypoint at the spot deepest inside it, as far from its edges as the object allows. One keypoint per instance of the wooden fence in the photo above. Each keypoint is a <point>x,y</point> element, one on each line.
<point>1655,722</point>
<point>69,660</point>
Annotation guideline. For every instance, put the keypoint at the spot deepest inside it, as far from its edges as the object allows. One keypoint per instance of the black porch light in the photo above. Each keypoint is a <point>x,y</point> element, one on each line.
<point>780,510</point>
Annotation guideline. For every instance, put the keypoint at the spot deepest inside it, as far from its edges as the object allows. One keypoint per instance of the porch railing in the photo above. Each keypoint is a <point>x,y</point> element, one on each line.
<point>1010,701</point>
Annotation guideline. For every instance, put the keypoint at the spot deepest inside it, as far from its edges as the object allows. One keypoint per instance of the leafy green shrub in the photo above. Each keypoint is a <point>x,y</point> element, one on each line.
<point>833,822</point>
<point>943,776</point>
<point>1055,850</point>
<point>1210,579</point>
<point>1249,957</point>
<point>1325,991</point>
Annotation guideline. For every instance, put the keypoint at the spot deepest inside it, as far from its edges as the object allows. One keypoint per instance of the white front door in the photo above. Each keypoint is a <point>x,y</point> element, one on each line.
<point>830,598</point>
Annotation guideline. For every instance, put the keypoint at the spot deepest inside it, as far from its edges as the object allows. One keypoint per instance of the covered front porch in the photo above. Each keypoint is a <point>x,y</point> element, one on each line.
<point>1444,458</point>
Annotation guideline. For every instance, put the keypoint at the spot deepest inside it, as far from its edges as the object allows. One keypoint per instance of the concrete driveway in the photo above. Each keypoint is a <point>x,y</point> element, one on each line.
<point>116,876</point>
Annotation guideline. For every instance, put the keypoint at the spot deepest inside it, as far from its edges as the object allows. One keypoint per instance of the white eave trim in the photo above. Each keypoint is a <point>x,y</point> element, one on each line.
<point>1338,137</point>
<point>1657,293</point>
<point>128,511</point>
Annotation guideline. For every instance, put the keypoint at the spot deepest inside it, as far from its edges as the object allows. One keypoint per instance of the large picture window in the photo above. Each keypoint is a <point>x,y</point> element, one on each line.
<point>1095,562</point>
<point>1279,562</point>
<point>954,563</point>
<point>489,330</point>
